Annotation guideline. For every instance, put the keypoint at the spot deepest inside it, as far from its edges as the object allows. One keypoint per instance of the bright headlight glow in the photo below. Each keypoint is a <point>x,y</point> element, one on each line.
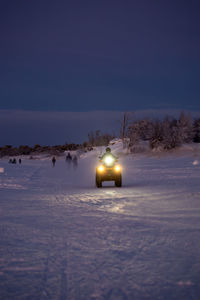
<point>117,168</point>
<point>101,168</point>
<point>109,160</point>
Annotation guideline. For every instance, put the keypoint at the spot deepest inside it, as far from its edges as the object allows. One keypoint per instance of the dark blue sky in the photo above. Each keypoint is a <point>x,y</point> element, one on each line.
<point>99,55</point>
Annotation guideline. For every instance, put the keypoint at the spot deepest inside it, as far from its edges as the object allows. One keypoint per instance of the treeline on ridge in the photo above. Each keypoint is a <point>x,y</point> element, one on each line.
<point>165,134</point>
<point>8,150</point>
<point>95,138</point>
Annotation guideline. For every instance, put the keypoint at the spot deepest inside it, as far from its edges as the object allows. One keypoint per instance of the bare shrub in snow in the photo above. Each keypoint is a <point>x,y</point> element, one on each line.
<point>196,130</point>
<point>139,130</point>
<point>98,139</point>
<point>185,128</point>
<point>24,150</point>
<point>156,134</point>
<point>171,135</point>
<point>124,128</point>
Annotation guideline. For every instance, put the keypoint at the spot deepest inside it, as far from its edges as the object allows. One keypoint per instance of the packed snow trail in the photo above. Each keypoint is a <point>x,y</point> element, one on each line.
<point>62,238</point>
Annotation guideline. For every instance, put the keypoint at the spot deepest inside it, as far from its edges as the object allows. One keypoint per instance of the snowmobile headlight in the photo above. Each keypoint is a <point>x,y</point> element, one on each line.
<point>109,160</point>
<point>117,168</point>
<point>101,168</point>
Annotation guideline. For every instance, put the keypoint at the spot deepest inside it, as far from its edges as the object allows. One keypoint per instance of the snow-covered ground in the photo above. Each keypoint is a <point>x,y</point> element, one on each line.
<point>62,238</point>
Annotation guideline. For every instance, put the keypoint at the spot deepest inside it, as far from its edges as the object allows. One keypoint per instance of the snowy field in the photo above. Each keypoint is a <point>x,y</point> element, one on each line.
<point>62,238</point>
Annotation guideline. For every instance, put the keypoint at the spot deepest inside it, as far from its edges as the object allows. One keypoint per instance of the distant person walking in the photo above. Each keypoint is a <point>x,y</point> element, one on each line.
<point>68,157</point>
<point>53,161</point>
<point>20,161</point>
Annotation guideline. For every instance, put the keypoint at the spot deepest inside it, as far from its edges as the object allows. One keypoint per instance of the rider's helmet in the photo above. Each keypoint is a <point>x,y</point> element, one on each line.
<point>108,150</point>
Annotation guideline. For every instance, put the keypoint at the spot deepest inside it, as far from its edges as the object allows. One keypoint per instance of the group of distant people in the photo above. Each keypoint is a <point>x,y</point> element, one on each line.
<point>69,159</point>
<point>14,161</point>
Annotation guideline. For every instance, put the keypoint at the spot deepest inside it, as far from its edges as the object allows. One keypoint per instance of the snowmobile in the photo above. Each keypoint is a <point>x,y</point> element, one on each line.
<point>108,170</point>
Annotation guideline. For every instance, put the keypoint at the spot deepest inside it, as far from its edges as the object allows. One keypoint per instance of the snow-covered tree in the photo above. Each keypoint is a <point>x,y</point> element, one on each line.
<point>167,134</point>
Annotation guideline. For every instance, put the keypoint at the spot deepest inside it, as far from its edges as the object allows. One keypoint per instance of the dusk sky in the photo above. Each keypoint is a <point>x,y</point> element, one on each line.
<point>80,56</point>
